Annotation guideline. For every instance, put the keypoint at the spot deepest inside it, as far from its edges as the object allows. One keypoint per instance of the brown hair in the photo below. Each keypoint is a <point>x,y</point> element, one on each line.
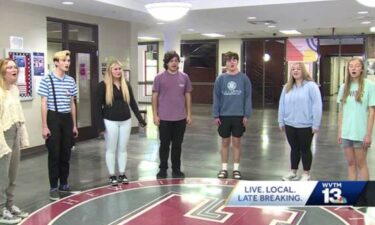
<point>168,56</point>
<point>230,55</point>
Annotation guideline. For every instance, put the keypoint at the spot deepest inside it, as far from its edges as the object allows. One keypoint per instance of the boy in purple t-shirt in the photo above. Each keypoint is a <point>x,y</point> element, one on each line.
<point>171,107</point>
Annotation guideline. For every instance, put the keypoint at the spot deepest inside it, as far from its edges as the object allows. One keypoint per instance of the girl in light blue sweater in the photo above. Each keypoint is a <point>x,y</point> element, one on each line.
<point>300,113</point>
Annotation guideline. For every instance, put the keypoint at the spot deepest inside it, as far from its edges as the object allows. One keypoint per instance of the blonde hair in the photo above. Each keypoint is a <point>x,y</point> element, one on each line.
<point>348,82</point>
<point>292,81</point>
<point>61,55</point>
<point>3,70</point>
<point>108,81</point>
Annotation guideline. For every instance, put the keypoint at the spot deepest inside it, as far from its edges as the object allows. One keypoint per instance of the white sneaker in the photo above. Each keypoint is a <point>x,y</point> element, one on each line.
<point>305,177</point>
<point>8,218</point>
<point>18,212</point>
<point>290,177</point>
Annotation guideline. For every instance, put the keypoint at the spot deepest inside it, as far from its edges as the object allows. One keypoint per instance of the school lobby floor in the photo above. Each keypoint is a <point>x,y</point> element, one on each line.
<point>199,198</point>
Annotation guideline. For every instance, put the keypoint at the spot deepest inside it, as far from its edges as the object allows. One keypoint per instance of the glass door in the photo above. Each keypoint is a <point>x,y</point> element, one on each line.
<point>84,69</point>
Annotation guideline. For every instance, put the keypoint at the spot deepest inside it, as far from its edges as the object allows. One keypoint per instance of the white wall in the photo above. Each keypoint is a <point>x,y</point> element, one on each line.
<point>29,21</point>
<point>161,56</point>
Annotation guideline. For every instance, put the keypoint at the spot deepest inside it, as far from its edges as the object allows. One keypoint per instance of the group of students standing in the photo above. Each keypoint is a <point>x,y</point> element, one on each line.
<point>299,115</point>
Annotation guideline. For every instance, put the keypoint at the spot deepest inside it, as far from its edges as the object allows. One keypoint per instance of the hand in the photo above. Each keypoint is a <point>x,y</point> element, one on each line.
<point>157,120</point>
<point>315,130</point>
<point>282,128</point>
<point>75,132</point>
<point>366,141</point>
<point>339,139</point>
<point>143,123</point>
<point>217,121</point>
<point>189,120</point>
<point>244,121</point>
<point>46,133</point>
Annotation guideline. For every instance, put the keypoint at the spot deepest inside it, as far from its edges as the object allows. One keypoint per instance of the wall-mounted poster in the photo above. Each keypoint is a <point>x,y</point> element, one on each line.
<point>38,63</point>
<point>24,63</point>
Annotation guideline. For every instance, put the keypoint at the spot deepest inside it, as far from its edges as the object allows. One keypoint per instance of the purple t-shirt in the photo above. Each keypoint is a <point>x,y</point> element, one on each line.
<point>171,89</point>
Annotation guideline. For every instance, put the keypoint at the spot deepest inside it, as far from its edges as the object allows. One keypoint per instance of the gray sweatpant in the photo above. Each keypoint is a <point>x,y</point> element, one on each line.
<point>9,166</point>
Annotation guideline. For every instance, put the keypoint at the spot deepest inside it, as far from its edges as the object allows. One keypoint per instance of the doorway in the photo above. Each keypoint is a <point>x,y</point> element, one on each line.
<point>82,41</point>
<point>83,69</point>
<point>266,73</point>
<point>200,63</point>
<point>334,55</point>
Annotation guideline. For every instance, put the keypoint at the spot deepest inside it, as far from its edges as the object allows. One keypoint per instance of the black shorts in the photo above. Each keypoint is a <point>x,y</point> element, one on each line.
<point>231,126</point>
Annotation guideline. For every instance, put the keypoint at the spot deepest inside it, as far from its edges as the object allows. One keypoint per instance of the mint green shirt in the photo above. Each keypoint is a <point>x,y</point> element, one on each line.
<point>355,114</point>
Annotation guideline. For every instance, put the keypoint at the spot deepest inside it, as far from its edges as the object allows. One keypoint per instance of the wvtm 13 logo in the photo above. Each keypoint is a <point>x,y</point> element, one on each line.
<point>333,194</point>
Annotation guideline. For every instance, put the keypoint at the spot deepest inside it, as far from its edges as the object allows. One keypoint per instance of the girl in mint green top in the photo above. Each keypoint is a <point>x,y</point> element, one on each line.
<point>356,118</point>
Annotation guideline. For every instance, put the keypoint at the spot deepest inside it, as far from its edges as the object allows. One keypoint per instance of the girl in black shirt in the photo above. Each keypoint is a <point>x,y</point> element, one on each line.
<point>114,100</point>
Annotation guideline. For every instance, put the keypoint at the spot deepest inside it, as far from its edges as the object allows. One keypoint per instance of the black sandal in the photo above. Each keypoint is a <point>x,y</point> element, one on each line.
<point>236,175</point>
<point>223,174</point>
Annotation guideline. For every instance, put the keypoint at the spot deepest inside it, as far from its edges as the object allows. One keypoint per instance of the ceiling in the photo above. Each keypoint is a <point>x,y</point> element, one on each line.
<point>230,17</point>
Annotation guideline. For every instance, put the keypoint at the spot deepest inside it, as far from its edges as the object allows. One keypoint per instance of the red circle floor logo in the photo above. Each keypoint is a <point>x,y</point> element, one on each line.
<point>196,201</point>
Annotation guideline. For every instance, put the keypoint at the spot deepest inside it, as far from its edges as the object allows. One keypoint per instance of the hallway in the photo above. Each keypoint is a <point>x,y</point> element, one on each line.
<point>265,156</point>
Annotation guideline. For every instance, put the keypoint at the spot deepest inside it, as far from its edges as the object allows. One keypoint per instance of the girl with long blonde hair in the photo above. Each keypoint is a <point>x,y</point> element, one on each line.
<point>300,113</point>
<point>356,119</point>
<point>114,100</point>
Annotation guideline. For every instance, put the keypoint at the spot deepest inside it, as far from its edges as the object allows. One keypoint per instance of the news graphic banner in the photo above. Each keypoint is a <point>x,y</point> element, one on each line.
<point>302,193</point>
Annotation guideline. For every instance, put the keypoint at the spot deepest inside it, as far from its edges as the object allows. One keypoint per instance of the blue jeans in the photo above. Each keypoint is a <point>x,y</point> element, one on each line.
<point>346,143</point>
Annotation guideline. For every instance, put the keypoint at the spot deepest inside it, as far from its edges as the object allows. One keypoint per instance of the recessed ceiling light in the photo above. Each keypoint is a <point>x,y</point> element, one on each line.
<point>251,18</point>
<point>148,38</point>
<point>67,3</point>
<point>213,35</point>
<point>271,26</point>
<point>372,29</point>
<point>267,23</point>
<point>365,22</point>
<point>290,31</point>
<point>160,23</point>
<point>362,12</point>
<point>191,29</point>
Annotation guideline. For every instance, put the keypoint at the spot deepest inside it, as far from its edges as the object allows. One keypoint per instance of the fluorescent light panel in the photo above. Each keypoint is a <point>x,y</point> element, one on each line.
<point>148,38</point>
<point>290,31</point>
<point>67,3</point>
<point>213,35</point>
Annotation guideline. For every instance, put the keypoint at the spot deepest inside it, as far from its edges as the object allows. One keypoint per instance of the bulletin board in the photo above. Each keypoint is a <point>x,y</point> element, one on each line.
<point>23,59</point>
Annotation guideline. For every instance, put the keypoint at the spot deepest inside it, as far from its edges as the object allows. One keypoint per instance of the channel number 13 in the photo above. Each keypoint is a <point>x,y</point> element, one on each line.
<point>331,195</point>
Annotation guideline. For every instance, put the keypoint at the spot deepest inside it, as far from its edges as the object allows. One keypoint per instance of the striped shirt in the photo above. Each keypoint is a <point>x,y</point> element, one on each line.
<point>65,88</point>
